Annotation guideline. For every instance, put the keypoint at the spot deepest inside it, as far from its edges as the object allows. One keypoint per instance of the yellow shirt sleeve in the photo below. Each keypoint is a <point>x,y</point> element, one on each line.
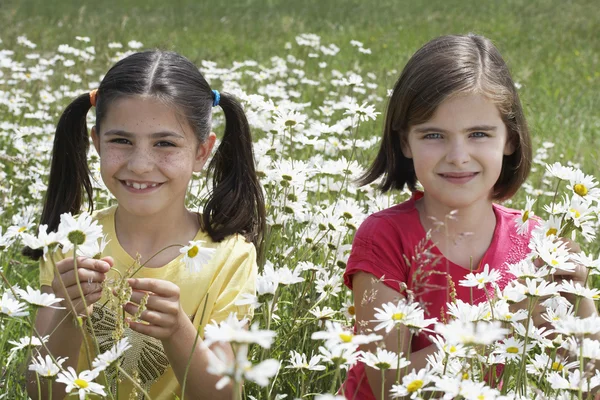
<point>236,277</point>
<point>47,268</point>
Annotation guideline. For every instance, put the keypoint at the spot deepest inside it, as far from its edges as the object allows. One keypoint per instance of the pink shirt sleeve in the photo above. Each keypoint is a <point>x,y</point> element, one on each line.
<point>378,249</point>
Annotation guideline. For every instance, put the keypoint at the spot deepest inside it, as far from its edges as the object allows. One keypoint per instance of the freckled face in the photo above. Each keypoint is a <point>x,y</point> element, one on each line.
<point>147,155</point>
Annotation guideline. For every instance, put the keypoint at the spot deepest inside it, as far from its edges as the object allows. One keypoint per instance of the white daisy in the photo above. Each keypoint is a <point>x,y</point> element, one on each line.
<point>383,359</point>
<point>81,231</point>
<point>11,307</point>
<point>522,221</point>
<point>413,384</point>
<point>336,333</point>
<point>299,361</point>
<point>81,383</point>
<point>46,367</point>
<point>38,299</point>
<point>104,360</point>
<point>195,256</point>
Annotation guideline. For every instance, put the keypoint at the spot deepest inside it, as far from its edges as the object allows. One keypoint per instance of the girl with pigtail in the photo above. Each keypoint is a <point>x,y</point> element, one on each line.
<point>152,132</point>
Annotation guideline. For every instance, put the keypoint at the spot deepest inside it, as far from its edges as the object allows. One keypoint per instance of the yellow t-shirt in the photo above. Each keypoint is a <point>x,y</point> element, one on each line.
<point>230,273</point>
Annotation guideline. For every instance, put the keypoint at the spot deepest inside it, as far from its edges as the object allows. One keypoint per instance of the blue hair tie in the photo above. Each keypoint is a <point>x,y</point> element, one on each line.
<point>216,98</point>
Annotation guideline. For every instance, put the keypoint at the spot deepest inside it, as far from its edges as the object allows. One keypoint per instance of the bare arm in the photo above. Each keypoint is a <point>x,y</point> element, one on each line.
<point>65,336</point>
<point>365,283</point>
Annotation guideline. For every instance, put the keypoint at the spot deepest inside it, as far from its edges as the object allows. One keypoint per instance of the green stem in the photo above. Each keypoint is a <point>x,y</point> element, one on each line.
<point>189,362</point>
<point>134,382</point>
<point>383,383</point>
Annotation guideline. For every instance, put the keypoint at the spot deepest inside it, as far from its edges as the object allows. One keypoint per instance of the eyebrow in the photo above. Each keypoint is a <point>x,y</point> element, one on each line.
<point>484,128</point>
<point>155,135</point>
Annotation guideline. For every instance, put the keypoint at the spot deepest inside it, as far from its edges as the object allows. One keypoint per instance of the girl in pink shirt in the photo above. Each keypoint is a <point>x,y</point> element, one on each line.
<point>455,124</point>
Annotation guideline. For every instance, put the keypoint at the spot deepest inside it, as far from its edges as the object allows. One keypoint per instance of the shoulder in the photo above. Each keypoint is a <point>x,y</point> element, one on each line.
<point>105,215</point>
<point>393,219</point>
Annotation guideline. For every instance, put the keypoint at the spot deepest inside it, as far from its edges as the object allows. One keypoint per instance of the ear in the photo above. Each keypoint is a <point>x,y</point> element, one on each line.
<point>203,151</point>
<point>96,139</point>
<point>405,147</point>
<point>509,147</point>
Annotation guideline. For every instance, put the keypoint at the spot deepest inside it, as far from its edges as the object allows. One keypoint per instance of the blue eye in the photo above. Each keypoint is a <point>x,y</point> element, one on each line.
<point>432,136</point>
<point>479,134</point>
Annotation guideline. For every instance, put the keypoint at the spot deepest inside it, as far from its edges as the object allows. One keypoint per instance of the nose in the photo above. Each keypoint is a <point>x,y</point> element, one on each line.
<point>458,152</point>
<point>141,161</point>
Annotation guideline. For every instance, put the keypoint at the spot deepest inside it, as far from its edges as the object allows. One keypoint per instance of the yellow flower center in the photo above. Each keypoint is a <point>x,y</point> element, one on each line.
<point>512,350</point>
<point>398,316</point>
<point>554,263</point>
<point>556,366</point>
<point>465,376</point>
<point>580,189</point>
<point>346,337</point>
<point>22,229</point>
<point>525,216</point>
<point>452,349</point>
<point>414,386</point>
<point>81,383</point>
<point>551,231</point>
<point>577,213</point>
<point>351,310</point>
<point>508,317</point>
<point>193,252</point>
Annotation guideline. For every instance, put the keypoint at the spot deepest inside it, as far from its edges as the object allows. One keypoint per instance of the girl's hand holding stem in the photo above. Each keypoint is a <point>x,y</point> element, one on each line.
<point>163,314</point>
<point>91,274</point>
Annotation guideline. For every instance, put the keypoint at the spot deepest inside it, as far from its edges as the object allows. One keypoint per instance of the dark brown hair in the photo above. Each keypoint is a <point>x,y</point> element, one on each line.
<point>235,203</point>
<point>443,67</point>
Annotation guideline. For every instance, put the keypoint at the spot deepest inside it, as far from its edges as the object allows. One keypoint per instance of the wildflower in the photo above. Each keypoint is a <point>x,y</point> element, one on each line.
<point>583,185</point>
<point>469,312</point>
<point>383,359</point>
<point>335,333</point>
<point>471,333</point>
<point>24,342</point>
<point>538,288</point>
<point>81,383</point>
<point>348,310</point>
<point>541,363</point>
<point>392,315</point>
<point>195,256</point>
<point>104,360</point>
<point>573,325</point>
<point>502,312</point>
<point>511,349</point>
<point>480,279</point>
<point>287,277</point>
<point>573,381</point>
<point>233,330</point>
<point>47,241</point>
<point>328,285</point>
<point>413,384</point>
<point>38,299</point>
<point>46,367</point>
<point>579,290</point>
<point>11,307</point>
<point>81,231</point>
<point>324,313</point>
<point>134,44</point>
<point>522,221</point>
<point>363,112</point>
<point>298,361</point>
<point>341,355</point>
<point>559,171</point>
<point>527,269</point>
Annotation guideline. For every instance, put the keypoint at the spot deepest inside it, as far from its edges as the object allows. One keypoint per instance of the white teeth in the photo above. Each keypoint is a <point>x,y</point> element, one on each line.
<point>140,186</point>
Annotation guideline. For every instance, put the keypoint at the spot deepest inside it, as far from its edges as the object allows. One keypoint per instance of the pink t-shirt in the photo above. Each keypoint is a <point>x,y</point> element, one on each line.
<point>391,243</point>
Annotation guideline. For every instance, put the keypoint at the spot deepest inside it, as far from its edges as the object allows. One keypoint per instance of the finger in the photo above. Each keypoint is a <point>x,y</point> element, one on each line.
<point>156,303</point>
<point>160,287</point>
<point>85,275</point>
<point>86,288</point>
<point>149,330</point>
<point>90,299</point>
<point>149,316</point>
<point>83,262</point>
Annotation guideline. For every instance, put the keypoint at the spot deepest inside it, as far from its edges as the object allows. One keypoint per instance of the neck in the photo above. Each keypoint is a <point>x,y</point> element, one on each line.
<point>477,218</point>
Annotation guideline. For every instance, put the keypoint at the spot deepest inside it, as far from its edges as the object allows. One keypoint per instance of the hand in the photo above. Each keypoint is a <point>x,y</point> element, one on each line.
<point>91,274</point>
<point>163,313</point>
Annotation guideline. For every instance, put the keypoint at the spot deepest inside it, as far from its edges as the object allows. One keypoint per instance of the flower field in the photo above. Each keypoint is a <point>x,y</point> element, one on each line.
<point>315,92</point>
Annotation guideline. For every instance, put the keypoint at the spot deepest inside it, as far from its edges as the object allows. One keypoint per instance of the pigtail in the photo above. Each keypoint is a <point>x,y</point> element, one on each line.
<point>236,203</point>
<point>69,171</point>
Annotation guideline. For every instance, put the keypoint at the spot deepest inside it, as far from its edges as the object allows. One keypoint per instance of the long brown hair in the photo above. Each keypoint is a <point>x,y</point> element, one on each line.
<point>235,203</point>
<point>441,68</point>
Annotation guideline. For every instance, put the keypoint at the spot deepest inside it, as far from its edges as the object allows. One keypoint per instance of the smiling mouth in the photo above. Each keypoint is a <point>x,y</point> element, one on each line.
<point>458,175</point>
<point>140,185</point>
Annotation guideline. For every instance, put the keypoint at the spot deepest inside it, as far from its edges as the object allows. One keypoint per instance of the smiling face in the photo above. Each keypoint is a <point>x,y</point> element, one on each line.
<point>458,153</point>
<point>148,155</point>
